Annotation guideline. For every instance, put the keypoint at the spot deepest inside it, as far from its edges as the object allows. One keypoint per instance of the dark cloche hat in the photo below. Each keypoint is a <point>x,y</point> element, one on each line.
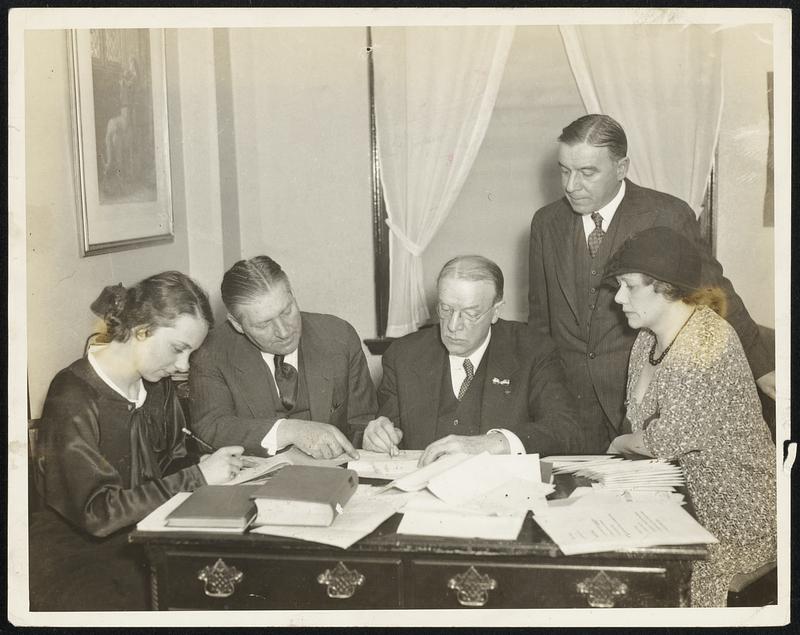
<point>661,253</point>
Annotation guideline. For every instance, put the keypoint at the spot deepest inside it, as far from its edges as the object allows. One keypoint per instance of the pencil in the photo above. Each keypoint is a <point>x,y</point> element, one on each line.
<point>207,446</point>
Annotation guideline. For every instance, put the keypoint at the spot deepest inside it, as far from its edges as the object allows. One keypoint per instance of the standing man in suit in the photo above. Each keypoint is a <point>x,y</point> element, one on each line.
<point>274,376</point>
<point>571,240</point>
<point>474,383</point>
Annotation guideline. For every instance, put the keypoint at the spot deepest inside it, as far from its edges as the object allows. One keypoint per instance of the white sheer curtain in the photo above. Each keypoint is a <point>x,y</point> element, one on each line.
<point>435,88</point>
<point>663,83</point>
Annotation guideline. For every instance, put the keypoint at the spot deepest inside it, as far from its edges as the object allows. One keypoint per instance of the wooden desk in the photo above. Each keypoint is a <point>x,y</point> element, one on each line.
<point>386,570</point>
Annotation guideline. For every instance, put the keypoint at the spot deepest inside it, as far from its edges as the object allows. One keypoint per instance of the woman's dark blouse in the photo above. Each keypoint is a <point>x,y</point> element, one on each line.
<point>105,463</point>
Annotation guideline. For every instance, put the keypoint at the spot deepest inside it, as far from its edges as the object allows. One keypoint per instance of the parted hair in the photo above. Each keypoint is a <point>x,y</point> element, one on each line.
<point>712,297</point>
<point>155,301</point>
<point>248,279</point>
<point>474,268</point>
<point>597,130</point>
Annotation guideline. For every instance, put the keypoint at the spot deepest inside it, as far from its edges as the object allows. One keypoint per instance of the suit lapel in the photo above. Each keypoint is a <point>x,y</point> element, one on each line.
<point>562,238</point>
<point>631,217</point>
<point>426,382</point>
<point>318,371</point>
<point>255,380</point>
<point>502,365</point>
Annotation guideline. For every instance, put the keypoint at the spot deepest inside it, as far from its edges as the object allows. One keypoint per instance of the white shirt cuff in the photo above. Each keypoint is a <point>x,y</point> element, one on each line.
<point>514,444</point>
<point>270,441</point>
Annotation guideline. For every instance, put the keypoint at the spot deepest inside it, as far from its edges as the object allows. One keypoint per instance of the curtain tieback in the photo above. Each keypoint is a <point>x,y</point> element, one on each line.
<point>411,247</point>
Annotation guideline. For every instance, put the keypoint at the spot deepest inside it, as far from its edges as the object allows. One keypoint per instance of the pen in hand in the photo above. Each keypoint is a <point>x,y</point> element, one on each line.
<point>205,445</point>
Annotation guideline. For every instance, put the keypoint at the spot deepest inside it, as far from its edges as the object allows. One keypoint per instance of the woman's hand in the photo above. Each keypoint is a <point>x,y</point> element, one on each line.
<point>629,444</point>
<point>223,465</point>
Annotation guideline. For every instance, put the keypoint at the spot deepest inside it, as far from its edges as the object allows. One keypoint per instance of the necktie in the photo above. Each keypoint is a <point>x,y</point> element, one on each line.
<point>286,379</point>
<point>468,368</point>
<point>596,237</point>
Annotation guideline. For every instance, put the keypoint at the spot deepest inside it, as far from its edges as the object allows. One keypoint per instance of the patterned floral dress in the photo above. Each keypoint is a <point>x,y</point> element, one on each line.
<point>702,409</point>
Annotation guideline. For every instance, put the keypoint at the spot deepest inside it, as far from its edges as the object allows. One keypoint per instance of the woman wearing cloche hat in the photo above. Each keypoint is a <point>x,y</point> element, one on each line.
<point>691,397</point>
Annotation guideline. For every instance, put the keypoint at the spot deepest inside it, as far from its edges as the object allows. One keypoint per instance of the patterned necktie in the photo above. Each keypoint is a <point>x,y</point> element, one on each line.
<point>286,379</point>
<point>596,237</point>
<point>467,380</point>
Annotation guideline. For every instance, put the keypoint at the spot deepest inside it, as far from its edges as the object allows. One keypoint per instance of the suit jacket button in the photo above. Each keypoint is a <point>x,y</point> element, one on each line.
<point>593,290</point>
<point>592,355</point>
<point>455,422</point>
<point>594,273</point>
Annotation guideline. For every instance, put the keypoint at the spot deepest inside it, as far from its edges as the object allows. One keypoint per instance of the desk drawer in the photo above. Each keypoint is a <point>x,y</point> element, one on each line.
<point>456,584</point>
<point>191,580</point>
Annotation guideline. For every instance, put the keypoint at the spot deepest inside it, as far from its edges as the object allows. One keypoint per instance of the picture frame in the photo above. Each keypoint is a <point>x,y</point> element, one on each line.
<point>121,138</point>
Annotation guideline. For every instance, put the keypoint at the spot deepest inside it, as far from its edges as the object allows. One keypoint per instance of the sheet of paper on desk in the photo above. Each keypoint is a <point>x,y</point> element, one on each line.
<point>364,512</point>
<point>601,496</point>
<point>426,515</point>
<point>586,529</point>
<point>483,473</point>
<point>381,465</point>
<point>419,480</point>
<point>257,467</point>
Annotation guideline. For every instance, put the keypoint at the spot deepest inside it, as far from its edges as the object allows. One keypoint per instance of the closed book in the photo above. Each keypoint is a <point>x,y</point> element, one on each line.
<point>216,507</point>
<point>304,495</point>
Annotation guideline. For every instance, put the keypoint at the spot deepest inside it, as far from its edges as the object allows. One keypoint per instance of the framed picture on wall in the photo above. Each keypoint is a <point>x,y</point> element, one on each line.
<point>121,137</point>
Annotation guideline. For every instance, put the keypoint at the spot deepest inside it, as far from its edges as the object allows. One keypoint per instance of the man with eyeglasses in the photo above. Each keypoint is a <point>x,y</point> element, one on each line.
<point>275,376</point>
<point>474,383</point>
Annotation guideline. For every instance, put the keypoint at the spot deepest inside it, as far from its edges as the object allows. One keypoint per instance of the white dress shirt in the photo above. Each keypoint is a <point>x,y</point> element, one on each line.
<point>457,376</point>
<point>107,380</point>
<point>270,440</point>
<point>607,212</point>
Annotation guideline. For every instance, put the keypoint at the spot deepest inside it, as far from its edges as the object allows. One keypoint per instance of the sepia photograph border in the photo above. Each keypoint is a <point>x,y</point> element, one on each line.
<point>107,227</point>
<point>22,19</point>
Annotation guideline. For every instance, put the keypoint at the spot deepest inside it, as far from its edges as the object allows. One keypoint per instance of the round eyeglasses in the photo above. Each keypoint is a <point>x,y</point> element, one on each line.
<point>446,312</point>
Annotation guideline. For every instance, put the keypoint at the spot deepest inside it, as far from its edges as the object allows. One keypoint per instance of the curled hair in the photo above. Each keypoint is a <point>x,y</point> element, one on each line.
<point>597,130</point>
<point>712,297</point>
<point>249,279</point>
<point>155,301</point>
<point>474,268</point>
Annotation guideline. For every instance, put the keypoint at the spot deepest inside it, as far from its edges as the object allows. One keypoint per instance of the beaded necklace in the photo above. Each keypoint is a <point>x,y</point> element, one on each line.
<point>655,361</point>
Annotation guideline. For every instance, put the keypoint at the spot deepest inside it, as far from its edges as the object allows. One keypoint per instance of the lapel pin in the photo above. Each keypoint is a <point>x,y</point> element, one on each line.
<point>501,382</point>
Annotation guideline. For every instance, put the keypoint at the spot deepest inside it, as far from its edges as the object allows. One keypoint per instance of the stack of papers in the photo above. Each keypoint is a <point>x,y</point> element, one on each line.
<point>473,496</point>
<point>258,467</point>
<point>582,529</point>
<point>612,472</point>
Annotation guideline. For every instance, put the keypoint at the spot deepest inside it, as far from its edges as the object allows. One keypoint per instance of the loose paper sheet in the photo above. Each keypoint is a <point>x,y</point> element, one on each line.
<point>585,529</point>
<point>381,465</point>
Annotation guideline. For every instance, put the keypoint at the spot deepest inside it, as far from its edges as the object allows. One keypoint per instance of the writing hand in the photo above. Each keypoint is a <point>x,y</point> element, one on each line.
<point>381,436</point>
<point>320,440</point>
<point>223,465</point>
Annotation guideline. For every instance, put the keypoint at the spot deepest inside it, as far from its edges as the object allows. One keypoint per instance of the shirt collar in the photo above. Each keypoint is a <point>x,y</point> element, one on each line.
<point>475,357</point>
<point>291,358</point>
<point>607,211</point>
<point>107,380</point>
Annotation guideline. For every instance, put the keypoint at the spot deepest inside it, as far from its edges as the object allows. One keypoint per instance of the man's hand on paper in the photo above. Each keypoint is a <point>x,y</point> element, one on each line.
<point>457,444</point>
<point>320,440</point>
<point>629,444</point>
<point>381,436</point>
<point>767,384</point>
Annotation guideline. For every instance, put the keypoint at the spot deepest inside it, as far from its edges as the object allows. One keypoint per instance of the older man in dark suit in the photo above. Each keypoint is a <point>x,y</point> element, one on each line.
<point>474,383</point>
<point>570,242</point>
<point>274,376</point>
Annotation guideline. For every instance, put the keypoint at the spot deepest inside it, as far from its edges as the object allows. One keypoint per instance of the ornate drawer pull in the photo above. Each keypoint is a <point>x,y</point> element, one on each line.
<point>602,590</point>
<point>341,582</point>
<point>472,588</point>
<point>220,579</point>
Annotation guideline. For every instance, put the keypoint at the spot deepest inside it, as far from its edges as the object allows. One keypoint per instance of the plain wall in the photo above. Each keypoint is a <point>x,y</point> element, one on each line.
<point>301,115</point>
<point>60,284</point>
<point>744,246</point>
